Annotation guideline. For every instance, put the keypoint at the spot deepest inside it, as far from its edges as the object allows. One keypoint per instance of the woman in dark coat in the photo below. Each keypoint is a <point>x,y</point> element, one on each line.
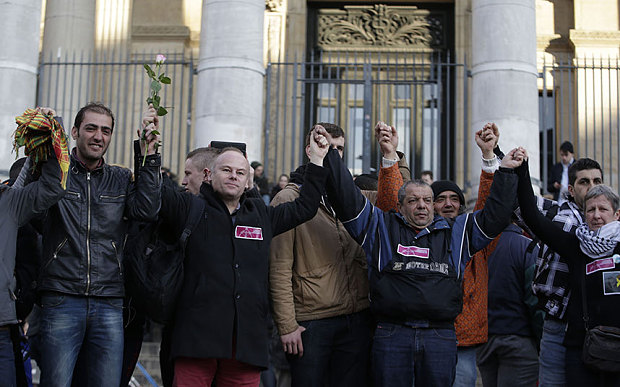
<point>592,256</point>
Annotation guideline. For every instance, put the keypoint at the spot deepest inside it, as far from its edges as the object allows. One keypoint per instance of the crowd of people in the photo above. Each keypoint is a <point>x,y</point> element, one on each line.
<point>384,281</point>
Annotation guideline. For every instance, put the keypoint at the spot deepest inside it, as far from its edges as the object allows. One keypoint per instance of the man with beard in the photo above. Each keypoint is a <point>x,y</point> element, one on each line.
<point>81,281</point>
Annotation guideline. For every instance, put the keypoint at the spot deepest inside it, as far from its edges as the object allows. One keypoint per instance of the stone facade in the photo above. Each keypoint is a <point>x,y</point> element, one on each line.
<point>564,29</point>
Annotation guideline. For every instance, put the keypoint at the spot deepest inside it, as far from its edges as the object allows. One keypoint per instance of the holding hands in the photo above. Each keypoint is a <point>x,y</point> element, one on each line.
<point>514,158</point>
<point>486,139</point>
<point>387,137</point>
<point>319,145</point>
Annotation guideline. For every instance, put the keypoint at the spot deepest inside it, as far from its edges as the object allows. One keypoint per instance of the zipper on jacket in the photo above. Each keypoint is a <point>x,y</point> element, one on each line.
<point>112,196</point>
<point>55,255</point>
<point>88,237</point>
<point>118,261</point>
<point>76,194</point>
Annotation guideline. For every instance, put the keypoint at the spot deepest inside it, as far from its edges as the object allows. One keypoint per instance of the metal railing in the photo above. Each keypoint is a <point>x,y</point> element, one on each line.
<point>424,95</point>
<point>580,103</point>
<point>118,80</point>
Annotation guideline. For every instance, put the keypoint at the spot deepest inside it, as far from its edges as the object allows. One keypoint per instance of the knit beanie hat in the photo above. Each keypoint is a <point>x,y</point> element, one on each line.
<point>444,185</point>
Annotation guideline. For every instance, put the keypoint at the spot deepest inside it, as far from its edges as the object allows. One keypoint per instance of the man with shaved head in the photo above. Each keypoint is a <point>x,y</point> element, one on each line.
<point>197,163</point>
<point>221,323</point>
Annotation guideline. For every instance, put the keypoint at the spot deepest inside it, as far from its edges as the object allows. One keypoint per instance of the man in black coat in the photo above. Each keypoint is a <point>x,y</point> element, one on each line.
<point>221,323</point>
<point>558,177</point>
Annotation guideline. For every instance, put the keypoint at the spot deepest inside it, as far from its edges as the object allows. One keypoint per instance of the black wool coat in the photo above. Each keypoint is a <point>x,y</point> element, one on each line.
<point>224,303</point>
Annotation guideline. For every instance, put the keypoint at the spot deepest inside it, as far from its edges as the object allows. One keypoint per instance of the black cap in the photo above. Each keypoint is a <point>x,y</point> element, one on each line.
<point>445,185</point>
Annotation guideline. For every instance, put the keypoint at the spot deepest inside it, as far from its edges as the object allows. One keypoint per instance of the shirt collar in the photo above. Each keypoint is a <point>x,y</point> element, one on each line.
<point>74,155</point>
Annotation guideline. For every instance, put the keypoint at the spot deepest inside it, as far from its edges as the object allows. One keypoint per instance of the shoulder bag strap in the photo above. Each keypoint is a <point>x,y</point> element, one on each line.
<point>196,208</point>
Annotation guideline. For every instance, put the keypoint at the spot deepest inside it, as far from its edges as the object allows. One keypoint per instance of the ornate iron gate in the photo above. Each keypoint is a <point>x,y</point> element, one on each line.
<point>419,94</point>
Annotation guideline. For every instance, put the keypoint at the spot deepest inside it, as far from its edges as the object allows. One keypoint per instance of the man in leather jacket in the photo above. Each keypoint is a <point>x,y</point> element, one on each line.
<point>81,276</point>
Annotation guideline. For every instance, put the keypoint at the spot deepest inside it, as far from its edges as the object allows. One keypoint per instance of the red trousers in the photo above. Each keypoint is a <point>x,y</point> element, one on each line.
<point>192,372</point>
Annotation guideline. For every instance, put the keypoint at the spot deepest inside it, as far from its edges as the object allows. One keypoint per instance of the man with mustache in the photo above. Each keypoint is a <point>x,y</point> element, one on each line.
<point>416,262</point>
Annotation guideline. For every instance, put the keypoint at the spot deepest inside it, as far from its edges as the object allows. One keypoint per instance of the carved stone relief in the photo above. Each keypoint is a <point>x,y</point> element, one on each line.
<point>275,18</point>
<point>380,28</point>
<point>273,5</point>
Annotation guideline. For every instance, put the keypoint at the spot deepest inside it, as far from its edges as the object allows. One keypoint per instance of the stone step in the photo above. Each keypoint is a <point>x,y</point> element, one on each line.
<point>149,359</point>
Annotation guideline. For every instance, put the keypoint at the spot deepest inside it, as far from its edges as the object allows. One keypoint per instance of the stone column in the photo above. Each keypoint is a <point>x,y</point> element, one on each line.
<point>504,88</point>
<point>68,36</point>
<point>69,27</point>
<point>19,39</point>
<point>229,95</point>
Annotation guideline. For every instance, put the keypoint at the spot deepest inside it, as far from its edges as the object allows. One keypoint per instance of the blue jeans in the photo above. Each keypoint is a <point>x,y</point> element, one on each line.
<point>90,327</point>
<point>466,373</point>
<point>552,354</point>
<point>405,356</point>
<point>7,359</point>
<point>336,352</point>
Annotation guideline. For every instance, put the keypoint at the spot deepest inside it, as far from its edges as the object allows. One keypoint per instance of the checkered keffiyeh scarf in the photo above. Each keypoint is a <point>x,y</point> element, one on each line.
<point>40,135</point>
<point>599,243</point>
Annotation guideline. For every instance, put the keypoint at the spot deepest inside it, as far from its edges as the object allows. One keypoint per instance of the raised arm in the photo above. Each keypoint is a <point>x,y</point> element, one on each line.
<point>560,241</point>
<point>390,178</point>
<point>37,196</point>
<point>495,216</point>
<point>289,215</point>
<point>486,139</point>
<point>144,196</point>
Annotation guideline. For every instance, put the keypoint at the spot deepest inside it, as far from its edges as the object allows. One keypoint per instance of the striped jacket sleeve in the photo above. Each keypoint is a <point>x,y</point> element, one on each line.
<point>365,222</point>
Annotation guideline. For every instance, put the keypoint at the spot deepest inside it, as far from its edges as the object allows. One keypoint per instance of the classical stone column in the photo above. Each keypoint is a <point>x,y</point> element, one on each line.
<point>504,88</point>
<point>229,95</point>
<point>68,36</point>
<point>69,27</point>
<point>20,31</point>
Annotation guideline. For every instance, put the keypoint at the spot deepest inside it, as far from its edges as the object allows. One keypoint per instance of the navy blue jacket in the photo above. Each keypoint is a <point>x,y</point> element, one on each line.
<point>512,305</point>
<point>415,277</point>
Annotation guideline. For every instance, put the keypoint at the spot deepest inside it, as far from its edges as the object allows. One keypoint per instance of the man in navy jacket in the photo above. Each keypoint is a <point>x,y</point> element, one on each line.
<point>416,262</point>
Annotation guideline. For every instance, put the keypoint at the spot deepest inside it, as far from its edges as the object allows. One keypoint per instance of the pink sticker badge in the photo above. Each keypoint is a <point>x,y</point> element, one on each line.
<point>600,264</point>
<point>247,232</point>
<point>413,251</point>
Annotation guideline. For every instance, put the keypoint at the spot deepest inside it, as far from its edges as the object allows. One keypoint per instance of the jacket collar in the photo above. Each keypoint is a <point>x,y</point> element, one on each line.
<point>81,167</point>
<point>438,223</point>
<point>206,191</point>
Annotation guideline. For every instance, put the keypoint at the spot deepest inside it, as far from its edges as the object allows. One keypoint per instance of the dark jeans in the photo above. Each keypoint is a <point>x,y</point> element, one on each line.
<point>508,360</point>
<point>90,327</point>
<point>578,375</point>
<point>336,352</point>
<point>133,321</point>
<point>406,356</point>
<point>7,358</point>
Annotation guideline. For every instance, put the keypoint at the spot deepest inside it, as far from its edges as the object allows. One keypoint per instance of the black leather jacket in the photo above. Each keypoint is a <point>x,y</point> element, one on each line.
<point>84,234</point>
